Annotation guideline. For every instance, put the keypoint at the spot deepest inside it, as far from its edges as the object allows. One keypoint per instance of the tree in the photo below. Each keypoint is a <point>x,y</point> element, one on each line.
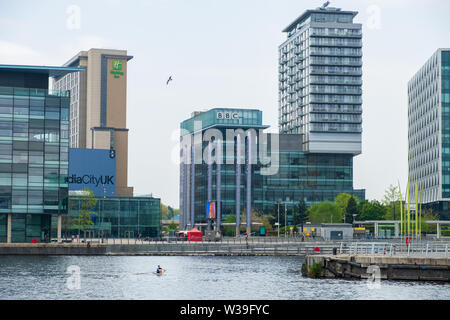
<point>428,215</point>
<point>85,219</point>
<point>325,212</point>
<point>372,210</point>
<point>390,199</point>
<point>173,226</point>
<point>342,200</point>
<point>229,231</point>
<point>351,210</point>
<point>301,214</point>
<point>168,213</point>
<point>260,217</point>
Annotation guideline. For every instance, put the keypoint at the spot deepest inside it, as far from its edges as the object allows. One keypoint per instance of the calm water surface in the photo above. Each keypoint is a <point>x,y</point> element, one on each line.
<point>190,278</point>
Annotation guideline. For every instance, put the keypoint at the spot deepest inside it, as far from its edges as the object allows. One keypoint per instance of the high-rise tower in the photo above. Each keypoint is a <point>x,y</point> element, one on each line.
<point>429,132</point>
<point>98,108</point>
<point>320,80</point>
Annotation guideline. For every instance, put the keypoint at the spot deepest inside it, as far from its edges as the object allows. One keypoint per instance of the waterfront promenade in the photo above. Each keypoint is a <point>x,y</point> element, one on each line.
<point>232,247</point>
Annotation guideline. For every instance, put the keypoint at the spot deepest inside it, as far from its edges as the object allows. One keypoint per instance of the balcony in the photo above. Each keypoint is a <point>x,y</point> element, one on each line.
<point>334,90</point>
<point>338,52</point>
<point>352,33</point>
<point>335,80</point>
<point>335,99</point>
<point>330,42</point>
<point>291,73</point>
<point>354,62</point>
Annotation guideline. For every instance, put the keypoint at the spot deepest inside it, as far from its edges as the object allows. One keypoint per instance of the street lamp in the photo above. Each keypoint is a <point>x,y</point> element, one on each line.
<point>278,219</point>
<point>285,220</point>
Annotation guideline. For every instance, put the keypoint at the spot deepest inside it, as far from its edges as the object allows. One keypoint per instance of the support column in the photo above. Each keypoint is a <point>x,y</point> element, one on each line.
<point>193,184</point>
<point>8,229</point>
<point>249,184</point>
<point>238,186</point>
<point>376,230</point>
<point>396,230</point>
<point>438,231</point>
<point>185,190</point>
<point>219,184</point>
<point>59,228</point>
<point>209,186</point>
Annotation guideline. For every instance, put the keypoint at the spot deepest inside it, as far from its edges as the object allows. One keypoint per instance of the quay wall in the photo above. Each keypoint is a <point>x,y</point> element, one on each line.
<point>384,267</point>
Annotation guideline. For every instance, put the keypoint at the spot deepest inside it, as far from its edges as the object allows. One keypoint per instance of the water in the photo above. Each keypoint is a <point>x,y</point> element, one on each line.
<point>189,278</point>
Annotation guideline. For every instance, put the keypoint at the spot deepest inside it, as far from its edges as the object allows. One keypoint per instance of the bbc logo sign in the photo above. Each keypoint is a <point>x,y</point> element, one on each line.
<point>227,116</point>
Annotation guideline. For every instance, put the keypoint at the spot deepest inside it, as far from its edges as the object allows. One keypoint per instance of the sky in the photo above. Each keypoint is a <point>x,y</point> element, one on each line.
<point>224,53</point>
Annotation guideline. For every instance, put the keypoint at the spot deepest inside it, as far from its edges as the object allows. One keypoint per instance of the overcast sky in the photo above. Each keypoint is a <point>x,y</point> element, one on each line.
<point>224,53</point>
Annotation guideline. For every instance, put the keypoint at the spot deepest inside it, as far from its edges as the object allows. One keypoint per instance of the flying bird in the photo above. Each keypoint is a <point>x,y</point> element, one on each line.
<point>170,79</point>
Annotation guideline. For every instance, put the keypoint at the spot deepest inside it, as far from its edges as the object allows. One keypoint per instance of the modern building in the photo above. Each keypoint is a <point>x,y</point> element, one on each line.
<point>227,160</point>
<point>116,217</point>
<point>98,106</point>
<point>329,231</point>
<point>429,133</point>
<point>320,81</point>
<point>34,151</point>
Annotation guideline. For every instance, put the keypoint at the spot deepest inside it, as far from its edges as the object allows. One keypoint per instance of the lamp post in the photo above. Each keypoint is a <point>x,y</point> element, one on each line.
<point>278,219</point>
<point>285,219</point>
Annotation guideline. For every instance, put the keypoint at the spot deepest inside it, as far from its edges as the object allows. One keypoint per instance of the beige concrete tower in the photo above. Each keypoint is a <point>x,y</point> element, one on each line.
<point>99,106</point>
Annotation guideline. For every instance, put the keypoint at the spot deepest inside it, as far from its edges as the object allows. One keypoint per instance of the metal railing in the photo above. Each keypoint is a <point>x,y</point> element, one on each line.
<point>277,246</point>
<point>419,249</point>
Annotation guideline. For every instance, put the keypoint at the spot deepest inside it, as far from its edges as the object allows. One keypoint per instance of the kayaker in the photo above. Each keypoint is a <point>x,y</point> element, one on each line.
<point>159,270</point>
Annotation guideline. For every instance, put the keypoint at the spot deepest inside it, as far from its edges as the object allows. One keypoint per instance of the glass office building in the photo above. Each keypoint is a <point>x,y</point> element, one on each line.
<point>34,127</point>
<point>313,177</point>
<point>429,133</point>
<point>117,217</point>
<point>272,168</point>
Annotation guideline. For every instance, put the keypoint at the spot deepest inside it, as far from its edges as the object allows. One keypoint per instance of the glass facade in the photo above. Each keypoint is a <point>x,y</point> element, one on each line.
<point>429,129</point>
<point>34,146</point>
<point>223,118</point>
<point>445,112</point>
<point>300,175</point>
<point>311,177</point>
<point>118,217</point>
<point>429,133</point>
<point>72,82</point>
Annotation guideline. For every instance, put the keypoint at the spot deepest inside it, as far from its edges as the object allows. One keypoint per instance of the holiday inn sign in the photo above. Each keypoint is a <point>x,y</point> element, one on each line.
<point>117,68</point>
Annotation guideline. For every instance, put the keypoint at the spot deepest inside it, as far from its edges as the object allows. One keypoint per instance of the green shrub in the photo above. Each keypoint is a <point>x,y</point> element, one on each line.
<point>315,269</point>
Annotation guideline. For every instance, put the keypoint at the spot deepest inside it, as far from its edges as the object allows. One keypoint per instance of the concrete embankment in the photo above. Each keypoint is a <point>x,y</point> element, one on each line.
<point>383,267</point>
<point>168,249</point>
<point>52,249</point>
